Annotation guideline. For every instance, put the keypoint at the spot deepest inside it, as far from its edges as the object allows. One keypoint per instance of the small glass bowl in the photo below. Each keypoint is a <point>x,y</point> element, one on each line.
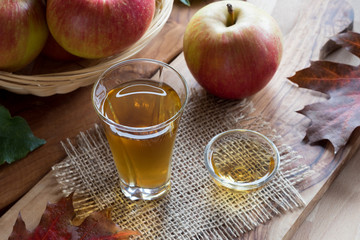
<point>241,159</point>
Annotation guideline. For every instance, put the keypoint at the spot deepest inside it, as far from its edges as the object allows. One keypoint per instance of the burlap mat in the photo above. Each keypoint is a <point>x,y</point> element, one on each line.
<point>195,208</point>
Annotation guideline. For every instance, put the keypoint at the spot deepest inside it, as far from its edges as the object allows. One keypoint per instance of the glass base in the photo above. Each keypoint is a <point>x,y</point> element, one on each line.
<point>138,193</point>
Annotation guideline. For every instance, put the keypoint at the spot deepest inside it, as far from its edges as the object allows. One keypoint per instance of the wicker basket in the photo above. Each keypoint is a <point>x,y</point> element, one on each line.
<point>47,84</point>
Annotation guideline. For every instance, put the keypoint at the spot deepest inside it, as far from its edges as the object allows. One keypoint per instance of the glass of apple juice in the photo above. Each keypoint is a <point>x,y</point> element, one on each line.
<point>140,102</point>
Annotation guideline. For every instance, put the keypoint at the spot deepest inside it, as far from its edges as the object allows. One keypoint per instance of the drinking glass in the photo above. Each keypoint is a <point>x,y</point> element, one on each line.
<point>140,103</point>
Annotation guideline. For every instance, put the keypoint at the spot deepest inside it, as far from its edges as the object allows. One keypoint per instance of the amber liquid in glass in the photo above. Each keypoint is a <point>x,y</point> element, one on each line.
<point>243,160</point>
<point>142,158</point>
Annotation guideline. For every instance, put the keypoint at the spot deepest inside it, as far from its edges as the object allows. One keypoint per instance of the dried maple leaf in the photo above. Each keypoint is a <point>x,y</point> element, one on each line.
<point>56,224</point>
<point>336,118</point>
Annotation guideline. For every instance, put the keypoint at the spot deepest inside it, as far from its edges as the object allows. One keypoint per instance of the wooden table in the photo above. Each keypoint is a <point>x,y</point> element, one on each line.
<point>27,184</point>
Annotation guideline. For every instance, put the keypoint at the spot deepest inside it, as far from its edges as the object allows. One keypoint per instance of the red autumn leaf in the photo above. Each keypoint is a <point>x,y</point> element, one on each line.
<point>350,41</point>
<point>336,118</point>
<point>56,224</point>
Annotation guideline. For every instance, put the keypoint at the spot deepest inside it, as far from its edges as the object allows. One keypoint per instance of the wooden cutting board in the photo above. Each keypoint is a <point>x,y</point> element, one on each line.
<point>306,26</point>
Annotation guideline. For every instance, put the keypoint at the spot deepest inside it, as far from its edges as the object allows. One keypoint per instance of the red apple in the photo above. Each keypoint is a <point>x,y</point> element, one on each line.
<point>232,48</point>
<point>98,28</point>
<point>23,32</point>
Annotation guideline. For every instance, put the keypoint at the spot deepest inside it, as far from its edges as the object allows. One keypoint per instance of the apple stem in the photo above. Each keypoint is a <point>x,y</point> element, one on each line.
<point>231,12</point>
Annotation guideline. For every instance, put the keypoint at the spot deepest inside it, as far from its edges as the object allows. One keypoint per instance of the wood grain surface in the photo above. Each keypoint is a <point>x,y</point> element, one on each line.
<point>337,214</point>
<point>306,26</point>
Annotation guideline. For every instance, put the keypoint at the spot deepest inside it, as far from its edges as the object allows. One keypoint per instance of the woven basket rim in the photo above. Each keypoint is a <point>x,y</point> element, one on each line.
<point>47,84</point>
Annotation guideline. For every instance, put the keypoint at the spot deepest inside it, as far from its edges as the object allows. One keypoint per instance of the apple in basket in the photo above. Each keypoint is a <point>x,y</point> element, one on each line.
<point>232,48</point>
<point>23,32</point>
<point>54,51</point>
<point>97,28</point>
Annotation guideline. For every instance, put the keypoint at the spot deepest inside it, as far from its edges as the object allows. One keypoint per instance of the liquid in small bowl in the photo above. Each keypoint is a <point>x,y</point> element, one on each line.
<point>241,160</point>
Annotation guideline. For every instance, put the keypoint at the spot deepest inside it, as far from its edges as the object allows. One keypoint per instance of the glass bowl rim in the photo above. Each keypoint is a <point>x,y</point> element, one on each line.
<point>238,185</point>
